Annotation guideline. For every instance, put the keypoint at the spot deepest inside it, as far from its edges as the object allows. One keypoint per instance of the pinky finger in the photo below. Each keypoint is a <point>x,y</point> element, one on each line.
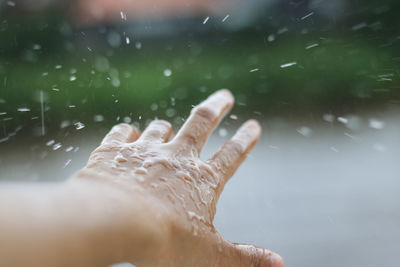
<point>229,157</point>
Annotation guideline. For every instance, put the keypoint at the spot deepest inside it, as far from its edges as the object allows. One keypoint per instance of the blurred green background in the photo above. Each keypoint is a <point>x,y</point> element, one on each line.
<point>340,58</point>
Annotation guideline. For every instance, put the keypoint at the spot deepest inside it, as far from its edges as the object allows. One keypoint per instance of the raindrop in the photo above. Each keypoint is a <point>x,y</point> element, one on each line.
<point>233,117</point>
<point>376,124</point>
<point>170,112</point>
<point>271,38</point>
<point>154,107</point>
<point>50,143</point>
<point>223,132</point>
<point>342,120</point>
<point>114,39</point>
<point>57,146</point>
<point>79,125</point>
<point>65,124</point>
<point>312,46</point>
<point>205,20</point>
<point>23,109</point>
<point>67,163</point>
<point>98,118</point>
<point>328,117</point>
<point>167,72</point>
<point>123,15</point>
<point>127,119</point>
<point>288,64</point>
<point>304,130</point>
<point>101,64</point>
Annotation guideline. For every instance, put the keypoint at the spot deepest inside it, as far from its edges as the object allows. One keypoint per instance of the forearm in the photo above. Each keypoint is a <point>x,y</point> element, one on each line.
<point>68,224</point>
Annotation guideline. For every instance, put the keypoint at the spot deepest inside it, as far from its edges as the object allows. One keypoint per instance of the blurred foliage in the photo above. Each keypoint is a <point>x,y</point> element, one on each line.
<point>340,68</point>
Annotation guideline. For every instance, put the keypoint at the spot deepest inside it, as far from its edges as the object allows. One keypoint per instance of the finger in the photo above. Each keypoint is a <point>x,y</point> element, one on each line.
<point>248,255</point>
<point>121,133</point>
<point>229,157</point>
<point>204,118</point>
<point>158,131</point>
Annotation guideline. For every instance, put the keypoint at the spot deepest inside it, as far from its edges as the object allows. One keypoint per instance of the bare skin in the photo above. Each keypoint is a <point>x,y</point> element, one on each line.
<point>143,198</point>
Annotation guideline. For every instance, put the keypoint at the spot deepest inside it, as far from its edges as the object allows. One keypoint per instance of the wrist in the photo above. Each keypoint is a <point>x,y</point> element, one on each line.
<point>133,226</point>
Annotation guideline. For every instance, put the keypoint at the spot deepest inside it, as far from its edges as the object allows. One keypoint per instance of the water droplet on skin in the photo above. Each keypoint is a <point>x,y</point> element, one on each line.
<point>141,171</point>
<point>193,215</point>
<point>140,178</point>
<point>120,158</point>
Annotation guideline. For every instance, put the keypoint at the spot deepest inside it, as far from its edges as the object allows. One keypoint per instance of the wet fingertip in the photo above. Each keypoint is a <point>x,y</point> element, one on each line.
<point>254,126</point>
<point>226,93</point>
<point>276,260</point>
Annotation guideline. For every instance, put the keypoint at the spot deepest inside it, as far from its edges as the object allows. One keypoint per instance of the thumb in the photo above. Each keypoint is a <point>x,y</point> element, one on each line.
<point>249,255</point>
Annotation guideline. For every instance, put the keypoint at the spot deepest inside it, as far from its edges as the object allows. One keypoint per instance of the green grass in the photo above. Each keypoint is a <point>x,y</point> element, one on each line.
<point>341,74</point>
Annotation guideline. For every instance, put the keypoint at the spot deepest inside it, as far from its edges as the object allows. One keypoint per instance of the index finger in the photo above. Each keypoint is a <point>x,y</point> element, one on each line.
<point>203,119</point>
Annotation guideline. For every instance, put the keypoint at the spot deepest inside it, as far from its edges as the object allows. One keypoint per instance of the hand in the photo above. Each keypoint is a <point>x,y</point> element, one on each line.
<point>179,190</point>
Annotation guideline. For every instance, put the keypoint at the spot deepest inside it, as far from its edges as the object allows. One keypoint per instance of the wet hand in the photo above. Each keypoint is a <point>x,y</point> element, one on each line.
<point>180,190</point>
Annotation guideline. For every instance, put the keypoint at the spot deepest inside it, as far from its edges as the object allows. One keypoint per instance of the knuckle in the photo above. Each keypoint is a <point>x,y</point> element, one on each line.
<point>162,123</point>
<point>122,126</point>
<point>205,113</point>
<point>235,147</point>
